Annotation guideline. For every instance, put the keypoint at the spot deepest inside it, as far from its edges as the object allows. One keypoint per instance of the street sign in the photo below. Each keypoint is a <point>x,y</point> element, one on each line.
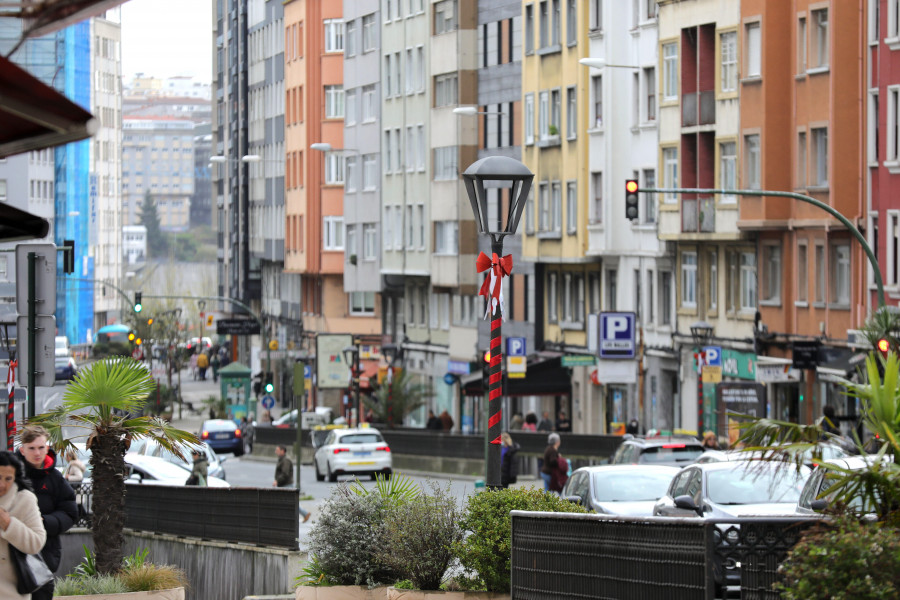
<point>458,367</point>
<point>237,327</point>
<point>45,350</point>
<point>617,335</point>
<point>515,346</point>
<point>44,278</point>
<point>806,355</point>
<point>450,378</point>
<point>712,356</point>
<point>578,360</point>
<point>268,401</point>
<point>711,374</point>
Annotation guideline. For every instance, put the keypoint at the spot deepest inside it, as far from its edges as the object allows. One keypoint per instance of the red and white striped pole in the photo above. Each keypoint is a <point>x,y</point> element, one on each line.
<point>11,409</point>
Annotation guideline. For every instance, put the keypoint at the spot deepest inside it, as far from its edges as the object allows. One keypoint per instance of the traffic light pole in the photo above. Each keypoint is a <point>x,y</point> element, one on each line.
<point>879,283</point>
<point>32,338</point>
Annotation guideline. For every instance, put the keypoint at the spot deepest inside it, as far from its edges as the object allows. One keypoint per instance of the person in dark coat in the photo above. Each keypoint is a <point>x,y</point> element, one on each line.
<point>284,475</point>
<point>55,496</point>
<point>551,460</point>
<point>546,423</point>
<point>446,421</point>
<point>509,468</point>
<point>434,422</point>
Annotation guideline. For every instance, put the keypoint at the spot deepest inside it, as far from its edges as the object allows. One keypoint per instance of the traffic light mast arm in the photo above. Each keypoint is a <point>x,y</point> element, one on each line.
<point>879,283</point>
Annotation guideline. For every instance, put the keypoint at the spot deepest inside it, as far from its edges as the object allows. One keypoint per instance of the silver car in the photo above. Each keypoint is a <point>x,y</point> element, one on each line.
<point>630,490</point>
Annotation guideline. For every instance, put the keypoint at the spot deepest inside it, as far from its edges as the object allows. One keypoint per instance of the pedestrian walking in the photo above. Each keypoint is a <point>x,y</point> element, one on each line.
<point>546,423</point>
<point>215,363</point>
<point>509,467</point>
<point>55,497</point>
<point>434,422</point>
<point>551,461</point>
<point>194,372</point>
<point>530,423</point>
<point>284,475</point>
<point>446,421</point>
<point>516,422</point>
<point>75,468</point>
<point>199,470</point>
<point>563,423</point>
<point>21,524</point>
<point>710,441</point>
<point>202,365</point>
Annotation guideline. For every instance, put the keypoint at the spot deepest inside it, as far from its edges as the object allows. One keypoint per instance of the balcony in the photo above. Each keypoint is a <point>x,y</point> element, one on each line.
<point>706,115</point>
<point>704,222</point>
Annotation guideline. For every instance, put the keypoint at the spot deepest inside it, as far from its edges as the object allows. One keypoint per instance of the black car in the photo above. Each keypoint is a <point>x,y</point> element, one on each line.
<point>65,368</point>
<point>659,450</point>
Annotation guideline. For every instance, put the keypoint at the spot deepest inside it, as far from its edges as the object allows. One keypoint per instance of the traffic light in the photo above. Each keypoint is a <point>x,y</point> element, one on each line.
<point>269,387</point>
<point>131,336</point>
<point>138,341</point>
<point>884,346</point>
<point>138,306</point>
<point>150,321</point>
<point>631,199</point>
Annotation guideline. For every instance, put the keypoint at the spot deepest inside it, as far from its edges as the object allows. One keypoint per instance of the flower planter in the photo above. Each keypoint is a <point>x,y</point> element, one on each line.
<point>340,592</point>
<point>172,594</point>
<point>395,594</point>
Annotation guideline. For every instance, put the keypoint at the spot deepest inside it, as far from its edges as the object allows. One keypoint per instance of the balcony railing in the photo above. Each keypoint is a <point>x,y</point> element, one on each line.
<point>708,108</point>
<point>689,109</point>
<point>698,221</point>
<point>706,115</point>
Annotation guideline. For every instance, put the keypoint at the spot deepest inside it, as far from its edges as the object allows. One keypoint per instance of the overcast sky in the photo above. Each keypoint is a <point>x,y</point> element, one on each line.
<point>164,38</point>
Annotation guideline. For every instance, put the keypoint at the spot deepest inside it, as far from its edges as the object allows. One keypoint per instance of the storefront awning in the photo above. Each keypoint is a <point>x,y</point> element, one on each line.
<point>36,116</point>
<point>841,362</point>
<point>544,377</point>
<point>16,225</point>
<point>46,16</point>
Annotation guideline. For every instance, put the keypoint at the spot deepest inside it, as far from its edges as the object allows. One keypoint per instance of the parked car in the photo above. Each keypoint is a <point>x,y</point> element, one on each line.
<point>828,451</point>
<point>66,369</point>
<point>288,419</point>
<point>223,435</point>
<point>810,502</point>
<point>152,470</point>
<point>630,490</point>
<point>658,450</point>
<point>360,451</point>
<point>61,346</point>
<point>215,468</point>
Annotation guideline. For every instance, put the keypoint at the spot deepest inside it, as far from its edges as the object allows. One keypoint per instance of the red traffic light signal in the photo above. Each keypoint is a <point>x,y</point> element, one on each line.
<point>631,199</point>
<point>884,346</point>
<point>487,356</point>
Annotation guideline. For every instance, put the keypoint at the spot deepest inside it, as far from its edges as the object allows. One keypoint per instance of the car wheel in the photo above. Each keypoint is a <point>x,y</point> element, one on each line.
<point>319,476</point>
<point>331,476</point>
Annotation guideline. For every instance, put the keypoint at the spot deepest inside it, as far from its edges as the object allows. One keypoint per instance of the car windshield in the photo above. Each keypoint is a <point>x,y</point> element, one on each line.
<point>219,426</point>
<point>756,486</point>
<point>361,438</point>
<point>631,487</point>
<point>670,453</point>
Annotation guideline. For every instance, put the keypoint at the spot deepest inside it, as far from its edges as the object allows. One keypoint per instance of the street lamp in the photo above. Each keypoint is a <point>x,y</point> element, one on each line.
<point>701,332</point>
<point>303,358</point>
<point>496,171</point>
<point>351,357</point>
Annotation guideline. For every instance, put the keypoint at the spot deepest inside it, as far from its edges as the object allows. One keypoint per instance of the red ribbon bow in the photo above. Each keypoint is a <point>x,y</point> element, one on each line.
<point>499,267</point>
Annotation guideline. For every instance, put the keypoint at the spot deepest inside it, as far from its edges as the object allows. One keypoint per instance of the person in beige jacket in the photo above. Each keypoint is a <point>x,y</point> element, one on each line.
<point>20,521</point>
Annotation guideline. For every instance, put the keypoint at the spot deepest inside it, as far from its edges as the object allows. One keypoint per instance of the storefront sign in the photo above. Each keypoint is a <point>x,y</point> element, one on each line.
<point>578,360</point>
<point>778,374</point>
<point>739,365</point>
<point>712,374</point>
<point>458,367</point>
<point>332,371</point>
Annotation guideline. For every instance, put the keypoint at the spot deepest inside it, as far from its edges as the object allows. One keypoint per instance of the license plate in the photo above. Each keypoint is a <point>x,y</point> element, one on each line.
<point>221,436</point>
<point>361,462</point>
<point>362,454</point>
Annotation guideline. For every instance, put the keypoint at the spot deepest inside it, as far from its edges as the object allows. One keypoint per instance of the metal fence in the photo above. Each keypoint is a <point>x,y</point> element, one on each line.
<point>558,555</point>
<point>260,516</point>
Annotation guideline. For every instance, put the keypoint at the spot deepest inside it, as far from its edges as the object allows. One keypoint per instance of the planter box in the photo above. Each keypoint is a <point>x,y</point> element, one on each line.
<point>395,594</point>
<point>173,594</point>
<point>340,592</point>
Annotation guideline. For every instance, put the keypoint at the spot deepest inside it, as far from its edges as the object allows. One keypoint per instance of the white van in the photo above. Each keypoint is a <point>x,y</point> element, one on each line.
<point>62,345</point>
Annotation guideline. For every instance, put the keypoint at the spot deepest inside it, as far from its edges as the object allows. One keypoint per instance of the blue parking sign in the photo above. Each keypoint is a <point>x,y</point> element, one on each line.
<point>515,346</point>
<point>617,335</point>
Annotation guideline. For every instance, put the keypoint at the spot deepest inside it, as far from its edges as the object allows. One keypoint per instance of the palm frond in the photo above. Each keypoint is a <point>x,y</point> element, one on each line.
<point>171,438</point>
<point>111,384</point>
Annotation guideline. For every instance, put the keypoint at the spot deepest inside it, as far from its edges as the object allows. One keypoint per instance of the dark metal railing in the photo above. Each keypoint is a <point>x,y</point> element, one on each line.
<point>558,555</point>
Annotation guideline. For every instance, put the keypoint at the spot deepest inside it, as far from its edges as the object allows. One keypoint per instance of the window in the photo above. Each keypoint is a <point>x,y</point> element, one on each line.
<point>651,9</point>
<point>350,38</point>
<point>334,168</point>
<point>420,69</point>
<point>597,95</point>
<point>529,29</point>
<point>596,209</point>
<point>445,163</point>
<point>556,22</point>
<point>544,207</point>
<point>388,225</point>
<point>802,273</point>
<point>893,248</point>
<point>334,102</point>
<point>571,208</point>
<point>893,19</point>
<point>670,172</point>
<point>370,241</point>
<point>650,93</point>
<point>713,281</point>
<point>350,107</point>
<point>334,35</point>
<point>529,212</point>
<point>529,118</point>
<point>752,162</point>
<point>820,273</point>
<point>665,298</point>
<point>872,136</point>
<point>893,124</point>
<point>728,43</point>
<point>689,279</point>
<point>552,303</point>
<point>368,103</point>
<point>820,37</point>
<point>840,269</point>
<point>350,247</point>
<point>651,307</point>
<point>748,281</point>
<point>820,157</point>
<point>420,223</point>
<point>571,22</point>
<point>388,74</point>
<point>801,159</point>
<point>753,49</point>
<point>4,197</point>
<point>421,148</point>
<point>670,71</point>
<point>370,172</point>
<point>571,113</point>
<point>545,24</point>
<point>771,291</point>
<point>727,169</point>
<point>596,16</point>
<point>801,45</point>
<point>445,90</point>
<point>350,170</point>
<point>555,112</point>
<point>649,199</point>
<point>333,233</point>
<point>544,115</point>
<point>446,236</point>
<point>398,228</point>
<point>567,298</point>
<point>362,303</point>
<point>369,34</point>
<point>557,206</point>
<point>388,151</point>
<point>444,16</point>
<point>395,74</point>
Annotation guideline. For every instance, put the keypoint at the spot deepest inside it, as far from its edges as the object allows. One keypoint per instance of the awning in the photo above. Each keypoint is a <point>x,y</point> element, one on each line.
<point>114,328</point>
<point>16,224</point>
<point>840,362</point>
<point>35,116</point>
<point>544,377</point>
<point>46,16</point>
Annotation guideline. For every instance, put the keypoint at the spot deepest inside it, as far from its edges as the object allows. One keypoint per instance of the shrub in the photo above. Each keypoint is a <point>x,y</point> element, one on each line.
<point>348,539</point>
<point>486,550</point>
<point>419,537</point>
<point>148,577</point>
<point>95,584</point>
<point>843,560</point>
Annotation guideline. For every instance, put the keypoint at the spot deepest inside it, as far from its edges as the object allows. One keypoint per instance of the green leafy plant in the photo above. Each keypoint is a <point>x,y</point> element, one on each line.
<point>404,584</point>
<point>486,550</point>
<point>136,560</point>
<point>397,398</point>
<point>96,584</point>
<point>553,130</point>
<point>312,573</point>
<point>843,560</point>
<point>392,491</point>
<point>419,537</point>
<point>87,567</point>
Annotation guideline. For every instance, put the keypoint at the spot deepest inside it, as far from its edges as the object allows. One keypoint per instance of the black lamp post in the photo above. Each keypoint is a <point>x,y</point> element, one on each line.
<point>701,331</point>
<point>508,173</point>
<point>392,354</point>
<point>351,357</point>
<point>304,359</point>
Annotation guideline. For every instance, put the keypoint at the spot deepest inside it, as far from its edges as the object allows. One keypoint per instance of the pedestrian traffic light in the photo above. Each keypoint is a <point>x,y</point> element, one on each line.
<point>138,307</point>
<point>884,346</point>
<point>631,199</point>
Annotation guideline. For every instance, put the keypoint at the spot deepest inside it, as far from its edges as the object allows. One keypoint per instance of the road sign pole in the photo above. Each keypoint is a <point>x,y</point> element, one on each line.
<point>32,338</point>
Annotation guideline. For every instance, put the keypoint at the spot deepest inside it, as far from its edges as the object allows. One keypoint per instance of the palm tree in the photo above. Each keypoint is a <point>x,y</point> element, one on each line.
<point>101,402</point>
<point>397,398</point>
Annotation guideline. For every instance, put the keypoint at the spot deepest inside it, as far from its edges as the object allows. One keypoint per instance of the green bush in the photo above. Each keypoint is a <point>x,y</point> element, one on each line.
<point>843,560</point>
<point>419,537</point>
<point>486,550</point>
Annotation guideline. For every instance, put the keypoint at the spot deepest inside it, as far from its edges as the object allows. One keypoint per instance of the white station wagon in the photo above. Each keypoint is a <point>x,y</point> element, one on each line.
<point>353,452</point>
